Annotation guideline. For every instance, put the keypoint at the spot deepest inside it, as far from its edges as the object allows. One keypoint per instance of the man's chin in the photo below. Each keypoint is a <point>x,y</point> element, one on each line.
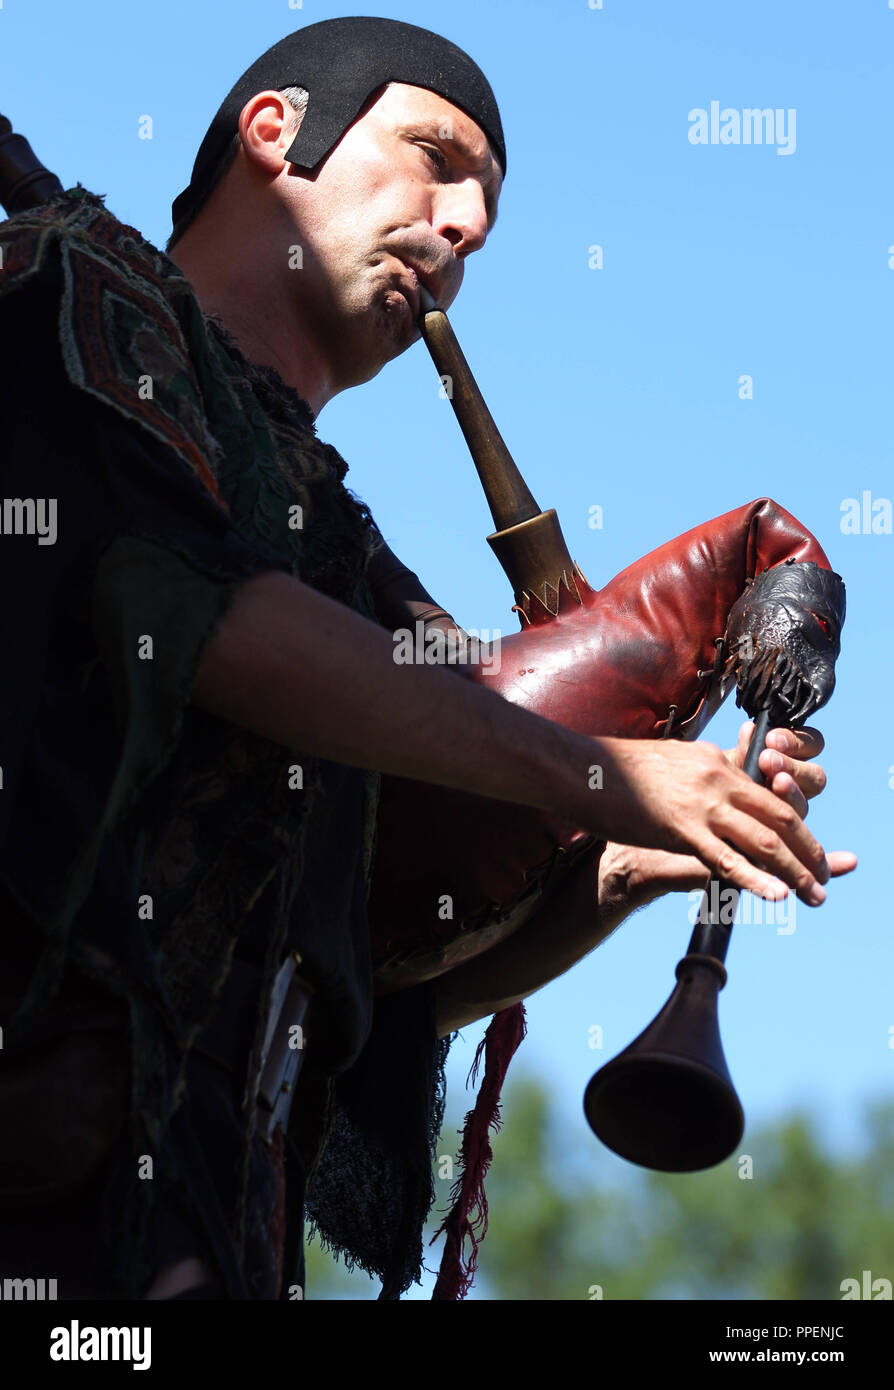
<point>386,350</point>
<point>399,320</point>
<point>390,331</point>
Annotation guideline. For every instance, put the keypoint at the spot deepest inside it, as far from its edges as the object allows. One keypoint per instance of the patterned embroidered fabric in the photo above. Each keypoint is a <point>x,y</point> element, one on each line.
<point>144,843</point>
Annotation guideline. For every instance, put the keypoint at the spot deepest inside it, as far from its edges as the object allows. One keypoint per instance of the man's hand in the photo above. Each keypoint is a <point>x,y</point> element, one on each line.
<point>639,876</point>
<point>790,776</point>
<point>740,831</point>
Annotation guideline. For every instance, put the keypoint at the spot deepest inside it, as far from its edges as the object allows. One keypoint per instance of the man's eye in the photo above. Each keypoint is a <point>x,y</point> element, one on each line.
<point>437,157</point>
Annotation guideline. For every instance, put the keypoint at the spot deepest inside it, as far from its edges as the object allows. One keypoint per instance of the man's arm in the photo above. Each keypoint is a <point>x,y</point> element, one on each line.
<point>294,666</point>
<point>595,898</point>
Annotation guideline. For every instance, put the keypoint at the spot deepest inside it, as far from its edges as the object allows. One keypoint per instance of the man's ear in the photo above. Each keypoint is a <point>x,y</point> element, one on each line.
<point>264,123</point>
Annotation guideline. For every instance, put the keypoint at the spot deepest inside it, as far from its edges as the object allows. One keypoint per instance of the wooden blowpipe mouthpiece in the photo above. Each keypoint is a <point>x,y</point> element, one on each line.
<point>508,496</point>
<point>528,542</point>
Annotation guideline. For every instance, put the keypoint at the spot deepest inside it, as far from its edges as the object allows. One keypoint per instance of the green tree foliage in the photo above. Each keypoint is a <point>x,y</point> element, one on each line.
<point>566,1218</point>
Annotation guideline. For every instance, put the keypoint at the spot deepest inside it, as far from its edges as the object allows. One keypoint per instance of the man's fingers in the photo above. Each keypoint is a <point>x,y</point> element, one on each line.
<point>787,750</point>
<point>727,864</point>
<point>743,741</point>
<point>810,777</point>
<point>841,861</point>
<point>782,821</point>
<point>783,785</point>
<point>752,836</point>
<point>730,866</point>
<point>774,836</point>
<point>798,743</point>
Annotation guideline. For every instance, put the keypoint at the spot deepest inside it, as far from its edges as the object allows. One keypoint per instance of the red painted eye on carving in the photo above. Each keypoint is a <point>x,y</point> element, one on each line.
<point>825,625</point>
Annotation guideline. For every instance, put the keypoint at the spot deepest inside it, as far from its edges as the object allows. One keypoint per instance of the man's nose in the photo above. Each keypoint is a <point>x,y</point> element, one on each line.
<point>461,216</point>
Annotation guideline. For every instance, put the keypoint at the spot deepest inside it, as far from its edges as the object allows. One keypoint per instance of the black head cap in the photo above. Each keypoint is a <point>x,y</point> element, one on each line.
<point>341,62</point>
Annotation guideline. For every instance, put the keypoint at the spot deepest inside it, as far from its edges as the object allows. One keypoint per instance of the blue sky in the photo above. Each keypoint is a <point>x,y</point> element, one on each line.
<point>616,387</point>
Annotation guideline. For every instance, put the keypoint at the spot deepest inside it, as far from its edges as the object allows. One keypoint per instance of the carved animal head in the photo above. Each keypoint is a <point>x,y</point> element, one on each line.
<point>783,637</point>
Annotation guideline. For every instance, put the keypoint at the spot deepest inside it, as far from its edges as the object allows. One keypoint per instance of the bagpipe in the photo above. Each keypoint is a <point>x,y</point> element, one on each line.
<point>747,600</point>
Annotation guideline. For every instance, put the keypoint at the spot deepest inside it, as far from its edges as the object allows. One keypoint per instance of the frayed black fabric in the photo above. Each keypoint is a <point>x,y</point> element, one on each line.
<point>145,844</point>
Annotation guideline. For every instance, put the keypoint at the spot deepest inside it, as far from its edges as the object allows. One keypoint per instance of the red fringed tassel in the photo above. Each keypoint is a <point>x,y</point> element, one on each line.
<point>499,1044</point>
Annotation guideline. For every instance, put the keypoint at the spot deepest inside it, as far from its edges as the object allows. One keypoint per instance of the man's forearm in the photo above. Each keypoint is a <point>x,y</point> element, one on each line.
<point>296,667</point>
<point>600,892</point>
<point>293,665</point>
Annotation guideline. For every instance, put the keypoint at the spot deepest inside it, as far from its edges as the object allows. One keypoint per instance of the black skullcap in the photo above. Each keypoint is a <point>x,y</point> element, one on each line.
<point>341,62</point>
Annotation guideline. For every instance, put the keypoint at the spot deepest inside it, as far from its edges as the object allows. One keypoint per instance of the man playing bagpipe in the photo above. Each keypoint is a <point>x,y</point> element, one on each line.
<point>202,706</point>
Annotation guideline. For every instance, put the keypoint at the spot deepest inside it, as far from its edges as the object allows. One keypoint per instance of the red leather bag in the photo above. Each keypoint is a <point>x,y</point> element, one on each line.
<point>643,657</point>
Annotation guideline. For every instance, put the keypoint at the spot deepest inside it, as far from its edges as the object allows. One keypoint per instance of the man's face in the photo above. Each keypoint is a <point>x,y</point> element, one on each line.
<point>407,194</point>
